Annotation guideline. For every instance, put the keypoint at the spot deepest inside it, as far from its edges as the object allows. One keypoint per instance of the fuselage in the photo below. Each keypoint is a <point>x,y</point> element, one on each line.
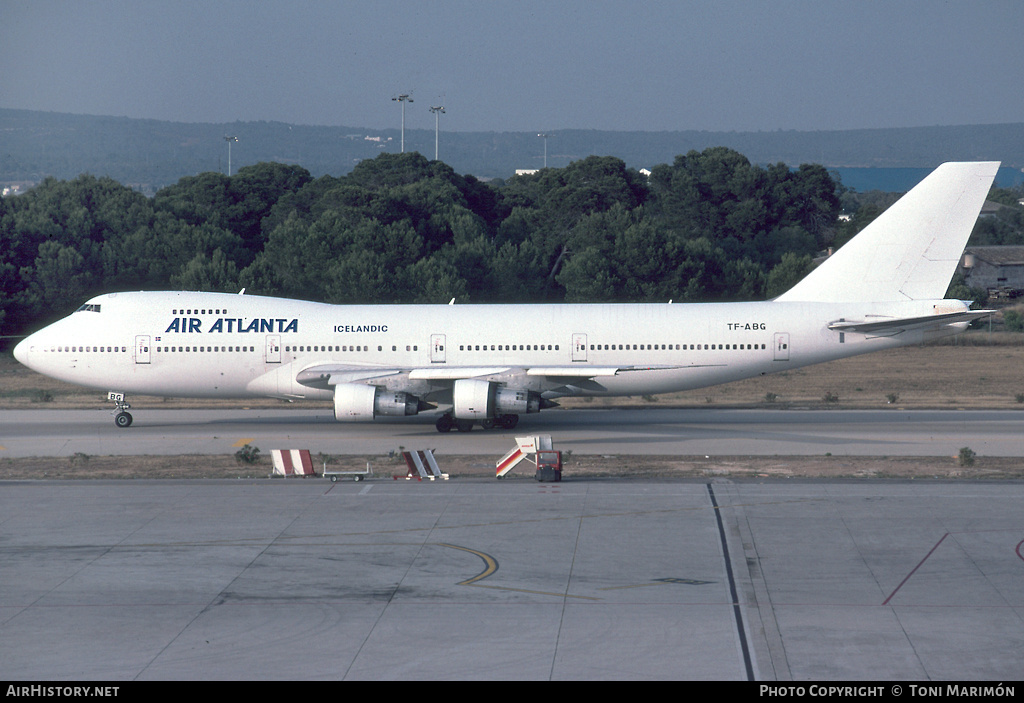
<point>184,344</point>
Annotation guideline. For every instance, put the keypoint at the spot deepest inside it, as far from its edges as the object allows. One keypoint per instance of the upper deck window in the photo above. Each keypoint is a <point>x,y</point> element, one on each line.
<point>90,307</point>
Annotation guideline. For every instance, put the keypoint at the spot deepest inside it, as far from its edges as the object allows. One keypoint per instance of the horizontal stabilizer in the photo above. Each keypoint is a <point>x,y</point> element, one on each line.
<point>886,327</point>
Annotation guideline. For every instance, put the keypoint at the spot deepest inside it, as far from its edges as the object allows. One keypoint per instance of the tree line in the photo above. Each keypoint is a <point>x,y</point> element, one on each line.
<point>401,229</point>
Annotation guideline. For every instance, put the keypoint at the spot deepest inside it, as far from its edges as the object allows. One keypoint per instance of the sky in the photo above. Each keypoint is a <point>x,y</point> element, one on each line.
<point>521,65</point>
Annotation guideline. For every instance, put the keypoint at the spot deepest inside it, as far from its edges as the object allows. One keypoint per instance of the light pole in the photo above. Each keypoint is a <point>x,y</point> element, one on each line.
<point>437,111</point>
<point>545,138</point>
<point>229,140</point>
<point>403,99</point>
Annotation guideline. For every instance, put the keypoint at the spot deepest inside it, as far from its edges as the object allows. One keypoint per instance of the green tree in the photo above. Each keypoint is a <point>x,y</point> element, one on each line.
<point>214,273</point>
<point>790,271</point>
<point>750,212</point>
<point>237,204</point>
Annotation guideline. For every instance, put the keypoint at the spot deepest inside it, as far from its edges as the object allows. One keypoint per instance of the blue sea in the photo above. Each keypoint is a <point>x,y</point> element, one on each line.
<point>900,180</point>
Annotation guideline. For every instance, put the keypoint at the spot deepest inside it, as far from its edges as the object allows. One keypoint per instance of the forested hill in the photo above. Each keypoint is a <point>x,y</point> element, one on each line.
<point>150,154</point>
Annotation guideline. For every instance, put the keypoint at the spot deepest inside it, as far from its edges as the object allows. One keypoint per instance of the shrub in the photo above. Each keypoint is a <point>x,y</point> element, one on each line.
<point>248,455</point>
<point>1013,321</point>
<point>830,397</point>
<point>967,456</point>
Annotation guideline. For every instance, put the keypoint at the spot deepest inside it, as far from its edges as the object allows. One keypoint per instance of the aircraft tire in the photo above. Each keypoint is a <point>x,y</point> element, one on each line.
<point>464,425</point>
<point>445,423</point>
<point>509,422</point>
<point>123,420</point>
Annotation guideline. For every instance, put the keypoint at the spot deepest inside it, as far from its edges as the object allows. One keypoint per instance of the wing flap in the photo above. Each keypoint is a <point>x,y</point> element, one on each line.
<point>573,371</point>
<point>454,373</point>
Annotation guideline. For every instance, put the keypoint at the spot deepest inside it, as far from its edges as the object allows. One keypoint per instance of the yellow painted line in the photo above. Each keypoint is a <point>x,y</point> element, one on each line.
<point>490,564</point>
<point>524,590</point>
<point>243,442</point>
<point>491,567</point>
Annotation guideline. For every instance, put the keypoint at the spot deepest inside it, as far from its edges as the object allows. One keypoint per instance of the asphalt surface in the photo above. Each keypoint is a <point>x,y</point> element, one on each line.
<point>483,579</point>
<point>681,432</point>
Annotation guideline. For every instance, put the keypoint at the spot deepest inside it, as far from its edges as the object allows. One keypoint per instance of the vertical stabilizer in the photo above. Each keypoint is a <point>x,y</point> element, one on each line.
<point>910,252</point>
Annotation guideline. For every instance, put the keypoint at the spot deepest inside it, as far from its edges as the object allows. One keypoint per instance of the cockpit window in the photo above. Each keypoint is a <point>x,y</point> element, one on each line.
<point>90,307</point>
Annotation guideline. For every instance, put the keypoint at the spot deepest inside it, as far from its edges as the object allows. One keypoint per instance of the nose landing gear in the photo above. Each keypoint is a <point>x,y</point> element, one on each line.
<point>122,418</point>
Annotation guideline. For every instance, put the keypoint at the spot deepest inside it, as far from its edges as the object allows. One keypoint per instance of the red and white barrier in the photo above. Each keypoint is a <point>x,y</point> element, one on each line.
<point>424,464</point>
<point>292,462</point>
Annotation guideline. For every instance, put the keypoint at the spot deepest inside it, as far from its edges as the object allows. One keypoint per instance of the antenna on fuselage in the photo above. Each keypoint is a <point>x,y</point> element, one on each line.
<point>242,292</point>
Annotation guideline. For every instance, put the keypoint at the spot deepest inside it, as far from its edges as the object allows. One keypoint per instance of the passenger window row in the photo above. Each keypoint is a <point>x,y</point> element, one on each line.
<point>206,349</point>
<point>86,349</point>
<point>343,348</point>
<point>508,347</point>
<point>678,347</point>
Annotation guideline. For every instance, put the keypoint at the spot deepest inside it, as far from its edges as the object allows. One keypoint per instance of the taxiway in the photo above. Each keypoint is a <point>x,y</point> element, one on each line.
<point>680,432</point>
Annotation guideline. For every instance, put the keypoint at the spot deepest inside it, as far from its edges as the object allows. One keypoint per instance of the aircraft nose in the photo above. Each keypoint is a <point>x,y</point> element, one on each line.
<point>24,349</point>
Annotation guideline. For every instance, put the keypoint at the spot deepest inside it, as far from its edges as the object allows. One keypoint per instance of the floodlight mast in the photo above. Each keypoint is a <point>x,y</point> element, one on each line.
<point>544,136</point>
<point>403,99</point>
<point>437,110</point>
<point>229,140</point>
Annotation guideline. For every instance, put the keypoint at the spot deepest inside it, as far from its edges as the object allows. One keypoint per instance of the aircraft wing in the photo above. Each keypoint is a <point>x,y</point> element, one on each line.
<point>878,326</point>
<point>327,375</point>
<point>573,378</point>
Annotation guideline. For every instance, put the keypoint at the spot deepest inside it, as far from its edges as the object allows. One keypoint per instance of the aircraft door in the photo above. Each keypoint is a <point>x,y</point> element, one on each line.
<point>579,347</point>
<point>437,348</point>
<point>782,346</point>
<point>142,349</point>
<point>142,353</point>
<point>273,349</point>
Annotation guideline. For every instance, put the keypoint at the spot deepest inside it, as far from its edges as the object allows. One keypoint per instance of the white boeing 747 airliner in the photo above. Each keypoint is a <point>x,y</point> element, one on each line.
<point>491,363</point>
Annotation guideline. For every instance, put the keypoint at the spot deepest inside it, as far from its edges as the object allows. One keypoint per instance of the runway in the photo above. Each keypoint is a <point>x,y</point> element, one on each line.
<point>680,432</point>
<point>479,579</point>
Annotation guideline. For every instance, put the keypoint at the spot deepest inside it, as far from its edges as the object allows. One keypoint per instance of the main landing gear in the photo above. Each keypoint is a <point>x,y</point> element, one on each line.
<point>446,423</point>
<point>122,418</point>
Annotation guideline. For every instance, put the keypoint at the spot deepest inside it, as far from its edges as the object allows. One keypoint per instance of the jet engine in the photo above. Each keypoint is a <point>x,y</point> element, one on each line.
<point>481,400</point>
<point>356,403</point>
